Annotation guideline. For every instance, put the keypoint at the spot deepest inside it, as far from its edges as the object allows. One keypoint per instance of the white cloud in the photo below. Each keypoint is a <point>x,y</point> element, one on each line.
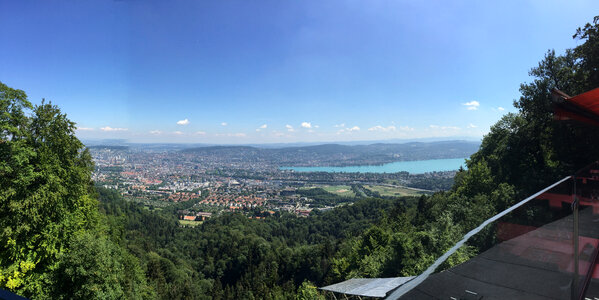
<point>471,126</point>
<point>348,130</point>
<point>306,125</point>
<point>108,128</point>
<point>183,122</point>
<point>500,108</point>
<point>201,132</point>
<point>405,128</point>
<point>262,127</point>
<point>316,126</point>
<point>472,105</point>
<point>339,125</point>
<point>289,128</point>
<point>224,124</point>
<point>155,132</point>
<point>178,132</point>
<point>84,129</point>
<point>383,129</point>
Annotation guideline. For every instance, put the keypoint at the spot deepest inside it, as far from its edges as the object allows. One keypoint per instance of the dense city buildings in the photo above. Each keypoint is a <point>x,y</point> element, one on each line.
<point>221,179</point>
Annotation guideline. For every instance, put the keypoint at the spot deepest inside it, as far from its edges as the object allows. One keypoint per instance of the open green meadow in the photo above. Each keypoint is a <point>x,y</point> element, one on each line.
<point>341,190</point>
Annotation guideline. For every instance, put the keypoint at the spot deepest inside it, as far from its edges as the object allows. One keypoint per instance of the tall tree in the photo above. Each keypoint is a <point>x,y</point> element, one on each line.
<point>46,199</point>
<point>529,149</point>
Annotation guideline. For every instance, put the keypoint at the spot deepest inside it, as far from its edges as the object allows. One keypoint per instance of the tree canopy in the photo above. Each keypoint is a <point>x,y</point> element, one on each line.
<point>47,202</point>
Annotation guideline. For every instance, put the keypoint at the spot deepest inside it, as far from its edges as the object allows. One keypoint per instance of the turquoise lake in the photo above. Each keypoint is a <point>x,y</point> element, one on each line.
<point>414,167</point>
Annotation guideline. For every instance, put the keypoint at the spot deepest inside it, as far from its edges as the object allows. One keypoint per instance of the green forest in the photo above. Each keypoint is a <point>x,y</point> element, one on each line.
<point>61,237</point>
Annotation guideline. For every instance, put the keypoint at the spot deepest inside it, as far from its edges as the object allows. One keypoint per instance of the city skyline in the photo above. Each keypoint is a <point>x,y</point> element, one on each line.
<point>279,72</point>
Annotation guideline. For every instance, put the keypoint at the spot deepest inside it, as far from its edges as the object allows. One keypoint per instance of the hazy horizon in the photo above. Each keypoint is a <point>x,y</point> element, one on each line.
<point>114,142</point>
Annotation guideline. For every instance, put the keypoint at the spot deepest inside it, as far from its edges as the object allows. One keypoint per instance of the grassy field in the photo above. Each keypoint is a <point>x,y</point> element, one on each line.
<point>341,190</point>
<point>189,223</point>
<point>394,191</point>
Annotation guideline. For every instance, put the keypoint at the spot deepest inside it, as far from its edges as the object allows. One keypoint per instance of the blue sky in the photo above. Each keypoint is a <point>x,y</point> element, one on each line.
<point>281,71</point>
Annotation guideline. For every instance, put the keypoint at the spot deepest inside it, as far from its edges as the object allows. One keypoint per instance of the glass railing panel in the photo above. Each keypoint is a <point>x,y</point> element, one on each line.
<point>587,195</point>
<point>524,252</point>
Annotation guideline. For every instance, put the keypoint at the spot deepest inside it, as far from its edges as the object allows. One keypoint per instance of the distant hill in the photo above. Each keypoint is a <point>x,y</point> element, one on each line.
<point>108,147</point>
<point>340,155</point>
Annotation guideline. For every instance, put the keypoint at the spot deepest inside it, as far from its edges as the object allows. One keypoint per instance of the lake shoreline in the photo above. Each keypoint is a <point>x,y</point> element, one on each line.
<point>412,167</point>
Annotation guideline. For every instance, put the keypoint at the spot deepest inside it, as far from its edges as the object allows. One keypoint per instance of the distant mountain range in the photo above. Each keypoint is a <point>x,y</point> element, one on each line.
<point>339,155</point>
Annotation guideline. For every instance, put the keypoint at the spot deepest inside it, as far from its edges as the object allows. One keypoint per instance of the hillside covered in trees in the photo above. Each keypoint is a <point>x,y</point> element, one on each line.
<point>63,238</point>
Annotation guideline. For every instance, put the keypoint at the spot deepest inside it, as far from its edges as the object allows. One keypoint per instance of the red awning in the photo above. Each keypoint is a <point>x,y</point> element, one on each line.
<point>588,101</point>
<point>583,107</point>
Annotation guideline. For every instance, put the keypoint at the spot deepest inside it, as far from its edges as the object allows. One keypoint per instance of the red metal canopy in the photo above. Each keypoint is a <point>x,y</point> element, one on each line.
<point>588,100</point>
<point>583,107</point>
